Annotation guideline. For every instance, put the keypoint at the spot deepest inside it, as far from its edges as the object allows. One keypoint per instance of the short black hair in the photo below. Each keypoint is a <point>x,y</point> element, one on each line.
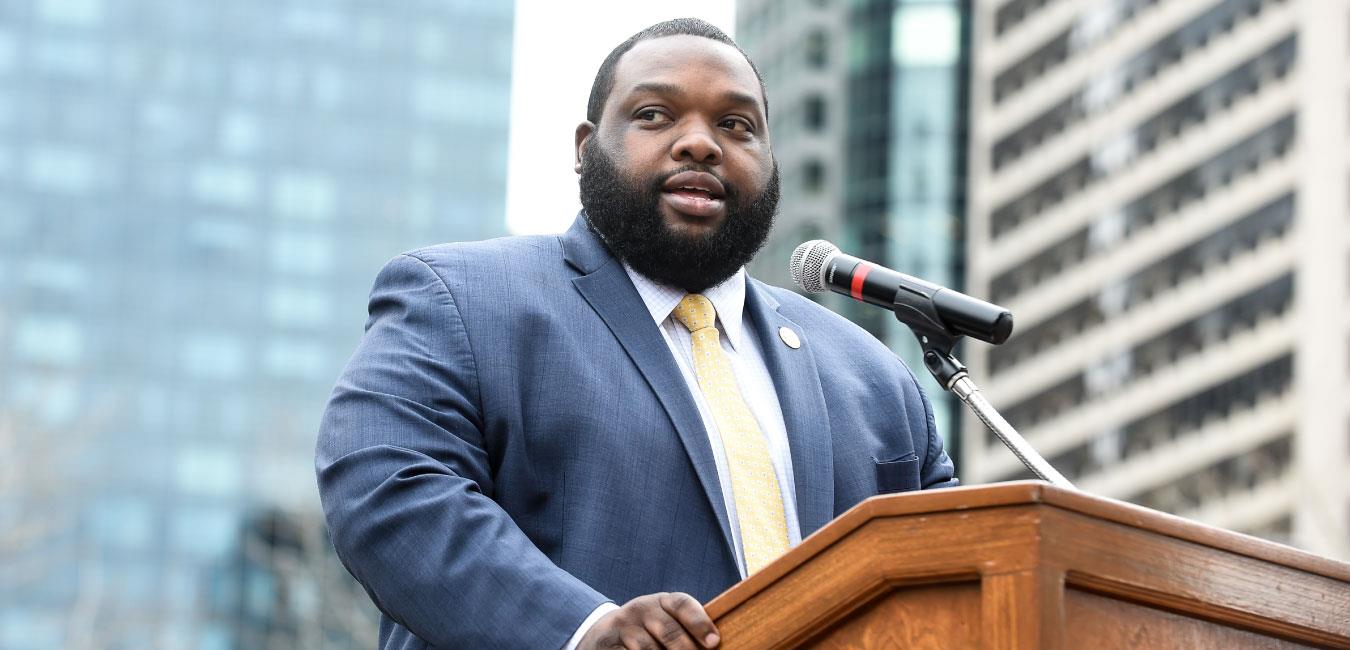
<point>604,78</point>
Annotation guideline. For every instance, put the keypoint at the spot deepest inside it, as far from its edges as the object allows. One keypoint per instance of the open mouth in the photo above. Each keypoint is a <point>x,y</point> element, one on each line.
<point>694,202</point>
<point>695,193</point>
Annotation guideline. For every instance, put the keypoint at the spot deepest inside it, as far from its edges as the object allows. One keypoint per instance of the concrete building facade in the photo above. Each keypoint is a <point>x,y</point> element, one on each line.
<point>1158,190</point>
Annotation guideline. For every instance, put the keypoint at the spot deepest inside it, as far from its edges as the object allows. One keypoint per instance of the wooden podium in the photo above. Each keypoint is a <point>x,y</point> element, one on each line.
<point>1027,565</point>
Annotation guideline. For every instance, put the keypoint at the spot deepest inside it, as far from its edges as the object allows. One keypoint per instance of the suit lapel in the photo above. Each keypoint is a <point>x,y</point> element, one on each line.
<point>797,383</point>
<point>606,287</point>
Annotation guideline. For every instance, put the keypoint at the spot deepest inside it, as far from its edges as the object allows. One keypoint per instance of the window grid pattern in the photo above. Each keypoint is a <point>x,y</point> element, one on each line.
<point>1093,27</point>
<point>1216,249</point>
<point>1174,346</point>
<point>1088,170</point>
<point>1240,394</point>
<point>194,200</point>
<point>1238,474</point>
<point>1245,79</point>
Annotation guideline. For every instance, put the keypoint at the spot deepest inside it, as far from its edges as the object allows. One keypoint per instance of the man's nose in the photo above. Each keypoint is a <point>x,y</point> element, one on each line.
<point>696,144</point>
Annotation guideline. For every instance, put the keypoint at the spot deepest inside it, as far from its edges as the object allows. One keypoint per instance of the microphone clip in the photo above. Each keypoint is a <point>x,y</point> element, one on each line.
<point>917,312</point>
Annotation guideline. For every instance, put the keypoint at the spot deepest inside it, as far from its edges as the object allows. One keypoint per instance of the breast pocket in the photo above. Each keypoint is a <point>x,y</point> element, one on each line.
<point>900,475</point>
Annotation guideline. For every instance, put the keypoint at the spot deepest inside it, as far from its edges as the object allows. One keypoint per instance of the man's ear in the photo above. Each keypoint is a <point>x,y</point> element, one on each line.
<point>584,132</point>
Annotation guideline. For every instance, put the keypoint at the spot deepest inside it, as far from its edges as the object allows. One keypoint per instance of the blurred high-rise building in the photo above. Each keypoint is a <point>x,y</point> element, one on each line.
<point>867,115</point>
<point>1158,190</point>
<point>194,200</point>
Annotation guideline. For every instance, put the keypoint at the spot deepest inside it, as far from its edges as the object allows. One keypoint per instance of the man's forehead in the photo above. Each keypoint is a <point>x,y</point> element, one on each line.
<point>667,58</point>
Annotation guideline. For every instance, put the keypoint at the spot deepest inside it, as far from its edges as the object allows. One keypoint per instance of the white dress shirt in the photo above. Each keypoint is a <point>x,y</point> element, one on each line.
<point>752,377</point>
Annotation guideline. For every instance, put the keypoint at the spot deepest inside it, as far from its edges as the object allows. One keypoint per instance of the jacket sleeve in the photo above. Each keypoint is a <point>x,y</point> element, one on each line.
<point>937,471</point>
<point>405,483</point>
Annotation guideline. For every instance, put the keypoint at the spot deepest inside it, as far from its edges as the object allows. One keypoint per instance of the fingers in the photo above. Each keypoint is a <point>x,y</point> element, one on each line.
<point>652,627</point>
<point>665,632</point>
<point>675,621</point>
<point>655,621</point>
<point>691,618</point>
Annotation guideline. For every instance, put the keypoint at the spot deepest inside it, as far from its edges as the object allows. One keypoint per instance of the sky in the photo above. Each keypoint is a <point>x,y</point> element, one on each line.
<point>558,48</point>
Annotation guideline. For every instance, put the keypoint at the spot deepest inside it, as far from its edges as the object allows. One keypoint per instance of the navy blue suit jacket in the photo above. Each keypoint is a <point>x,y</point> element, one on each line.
<point>513,444</point>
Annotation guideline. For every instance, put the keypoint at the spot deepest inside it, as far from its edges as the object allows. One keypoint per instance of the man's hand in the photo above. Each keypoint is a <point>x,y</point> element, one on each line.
<point>654,621</point>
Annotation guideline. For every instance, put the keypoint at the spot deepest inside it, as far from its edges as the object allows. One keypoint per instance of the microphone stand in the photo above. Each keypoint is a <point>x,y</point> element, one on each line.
<point>950,373</point>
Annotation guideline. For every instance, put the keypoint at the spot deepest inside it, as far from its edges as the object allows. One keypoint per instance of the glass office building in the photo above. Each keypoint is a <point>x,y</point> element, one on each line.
<point>867,113</point>
<point>194,200</point>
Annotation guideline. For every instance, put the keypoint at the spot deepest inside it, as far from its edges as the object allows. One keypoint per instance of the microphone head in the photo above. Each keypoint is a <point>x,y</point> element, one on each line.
<point>808,264</point>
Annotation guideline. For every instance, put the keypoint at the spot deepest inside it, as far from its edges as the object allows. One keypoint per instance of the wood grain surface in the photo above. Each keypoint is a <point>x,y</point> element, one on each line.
<point>921,617</point>
<point>1026,565</point>
<point>1104,623</point>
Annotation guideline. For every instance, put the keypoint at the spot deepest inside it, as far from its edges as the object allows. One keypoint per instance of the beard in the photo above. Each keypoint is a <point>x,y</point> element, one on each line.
<point>625,213</point>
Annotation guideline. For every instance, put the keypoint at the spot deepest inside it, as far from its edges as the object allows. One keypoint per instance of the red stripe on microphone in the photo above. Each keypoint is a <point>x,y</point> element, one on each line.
<point>859,274</point>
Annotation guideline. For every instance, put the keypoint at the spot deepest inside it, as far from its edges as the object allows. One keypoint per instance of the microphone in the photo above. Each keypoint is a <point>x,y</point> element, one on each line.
<point>938,316</point>
<point>925,307</point>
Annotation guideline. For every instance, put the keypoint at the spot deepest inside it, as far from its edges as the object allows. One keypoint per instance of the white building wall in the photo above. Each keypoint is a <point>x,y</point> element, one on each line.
<point>1260,443</point>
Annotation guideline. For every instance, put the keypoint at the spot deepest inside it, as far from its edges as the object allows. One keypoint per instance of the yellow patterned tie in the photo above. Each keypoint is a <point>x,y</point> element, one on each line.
<point>754,486</point>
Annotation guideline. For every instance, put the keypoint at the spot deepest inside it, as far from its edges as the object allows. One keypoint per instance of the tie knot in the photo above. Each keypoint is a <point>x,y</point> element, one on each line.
<point>695,312</point>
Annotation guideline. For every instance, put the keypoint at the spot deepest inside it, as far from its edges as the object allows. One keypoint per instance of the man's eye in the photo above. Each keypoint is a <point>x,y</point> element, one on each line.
<point>736,124</point>
<point>651,115</point>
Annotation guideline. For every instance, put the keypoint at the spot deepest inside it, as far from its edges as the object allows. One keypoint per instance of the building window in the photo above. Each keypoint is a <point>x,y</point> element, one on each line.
<point>66,57</point>
<point>1184,189</point>
<point>813,113</point>
<point>1207,255</point>
<point>293,358</point>
<point>817,49</point>
<point>225,184</point>
<point>1238,474</point>
<point>1168,124</point>
<point>214,356</point>
<point>240,134</point>
<point>203,531</point>
<point>813,177</point>
<point>304,195</point>
<point>219,240</point>
<point>297,307</point>
<point>1093,27</point>
<point>55,276</point>
<point>9,53</point>
<point>302,253</point>
<point>208,471</point>
<point>1243,314</point>
<point>121,522</point>
<point>1280,530</point>
<point>73,13</point>
<point>62,169</point>
<point>49,340</point>
<point>315,23</point>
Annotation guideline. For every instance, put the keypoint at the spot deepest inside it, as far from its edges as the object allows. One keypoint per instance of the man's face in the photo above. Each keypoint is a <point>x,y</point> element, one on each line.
<point>678,178</point>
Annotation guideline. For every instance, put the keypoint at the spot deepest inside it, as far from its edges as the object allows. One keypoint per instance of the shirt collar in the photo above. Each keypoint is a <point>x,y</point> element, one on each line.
<point>728,298</point>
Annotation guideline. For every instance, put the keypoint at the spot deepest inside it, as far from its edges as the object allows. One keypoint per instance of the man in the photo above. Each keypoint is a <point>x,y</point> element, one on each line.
<point>536,429</point>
